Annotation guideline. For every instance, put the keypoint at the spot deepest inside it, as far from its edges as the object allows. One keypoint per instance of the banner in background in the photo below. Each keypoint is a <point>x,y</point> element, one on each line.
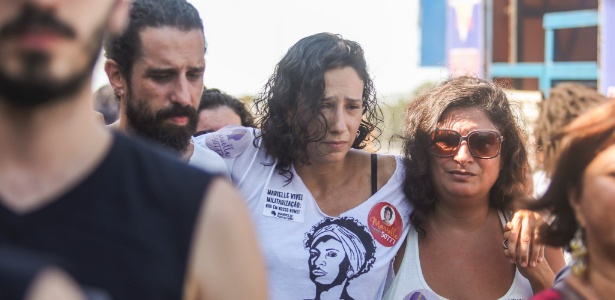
<point>465,37</point>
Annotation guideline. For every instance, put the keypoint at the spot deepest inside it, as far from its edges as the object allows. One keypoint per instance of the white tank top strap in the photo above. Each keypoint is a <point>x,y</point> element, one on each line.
<point>504,217</point>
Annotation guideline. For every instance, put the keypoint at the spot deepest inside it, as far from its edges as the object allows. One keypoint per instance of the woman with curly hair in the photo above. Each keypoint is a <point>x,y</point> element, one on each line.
<point>304,166</point>
<point>580,199</point>
<point>465,164</point>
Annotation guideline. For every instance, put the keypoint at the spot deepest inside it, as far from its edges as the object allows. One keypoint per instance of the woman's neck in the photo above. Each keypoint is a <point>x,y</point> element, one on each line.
<point>601,274</point>
<point>458,217</point>
<point>324,176</point>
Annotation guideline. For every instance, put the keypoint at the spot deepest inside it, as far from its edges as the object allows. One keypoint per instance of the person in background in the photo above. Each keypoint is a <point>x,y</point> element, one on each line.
<point>465,165</point>
<point>121,217</point>
<point>580,199</point>
<point>566,102</point>
<point>217,110</point>
<point>156,70</point>
<point>106,104</point>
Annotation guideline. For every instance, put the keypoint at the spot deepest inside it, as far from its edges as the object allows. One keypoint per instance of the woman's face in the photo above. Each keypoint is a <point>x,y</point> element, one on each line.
<point>342,108</point>
<point>326,258</point>
<point>595,207</point>
<point>387,215</point>
<point>463,176</point>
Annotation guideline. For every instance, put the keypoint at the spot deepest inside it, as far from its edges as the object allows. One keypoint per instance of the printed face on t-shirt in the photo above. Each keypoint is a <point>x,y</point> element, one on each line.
<point>326,258</point>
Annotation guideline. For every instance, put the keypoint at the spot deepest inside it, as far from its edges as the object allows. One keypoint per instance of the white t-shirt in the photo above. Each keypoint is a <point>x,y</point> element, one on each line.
<point>207,160</point>
<point>409,282</point>
<point>311,255</point>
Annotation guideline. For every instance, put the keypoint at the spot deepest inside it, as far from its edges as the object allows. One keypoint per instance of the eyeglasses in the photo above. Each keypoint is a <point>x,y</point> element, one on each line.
<point>481,143</point>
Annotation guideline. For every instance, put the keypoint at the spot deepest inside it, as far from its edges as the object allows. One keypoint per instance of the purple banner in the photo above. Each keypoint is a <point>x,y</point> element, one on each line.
<point>465,37</point>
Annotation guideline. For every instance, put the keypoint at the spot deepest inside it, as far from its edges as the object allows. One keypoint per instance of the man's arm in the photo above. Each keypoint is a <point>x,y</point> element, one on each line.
<point>225,261</point>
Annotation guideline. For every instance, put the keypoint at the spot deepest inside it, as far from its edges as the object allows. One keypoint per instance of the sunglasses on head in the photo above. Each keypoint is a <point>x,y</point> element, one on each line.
<point>481,143</point>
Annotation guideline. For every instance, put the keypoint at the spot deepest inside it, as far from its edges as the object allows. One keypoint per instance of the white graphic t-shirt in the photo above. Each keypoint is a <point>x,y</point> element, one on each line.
<point>310,255</point>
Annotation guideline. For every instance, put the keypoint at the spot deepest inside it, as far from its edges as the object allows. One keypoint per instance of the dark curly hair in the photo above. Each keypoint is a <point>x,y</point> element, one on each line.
<point>580,142</point>
<point>422,117</point>
<point>566,102</point>
<point>126,47</point>
<point>213,98</point>
<point>291,99</point>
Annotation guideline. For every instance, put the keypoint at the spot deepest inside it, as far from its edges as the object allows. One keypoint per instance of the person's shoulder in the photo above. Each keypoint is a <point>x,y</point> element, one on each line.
<point>388,164</point>
<point>230,141</point>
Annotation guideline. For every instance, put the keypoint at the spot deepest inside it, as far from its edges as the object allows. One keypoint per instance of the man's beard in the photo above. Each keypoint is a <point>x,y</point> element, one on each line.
<point>35,88</point>
<point>154,126</point>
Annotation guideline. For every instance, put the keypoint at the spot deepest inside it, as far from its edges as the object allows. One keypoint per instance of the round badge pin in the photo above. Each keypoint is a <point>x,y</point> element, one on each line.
<point>385,224</point>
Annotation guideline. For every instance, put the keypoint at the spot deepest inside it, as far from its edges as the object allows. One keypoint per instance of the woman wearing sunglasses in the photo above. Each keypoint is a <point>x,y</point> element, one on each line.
<point>465,164</point>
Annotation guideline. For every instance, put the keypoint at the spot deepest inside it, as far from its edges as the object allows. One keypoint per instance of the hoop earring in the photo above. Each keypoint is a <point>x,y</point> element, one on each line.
<point>579,254</point>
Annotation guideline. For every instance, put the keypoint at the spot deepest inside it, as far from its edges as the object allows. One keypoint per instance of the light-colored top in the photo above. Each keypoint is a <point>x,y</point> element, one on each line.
<point>409,282</point>
<point>208,160</point>
<point>541,183</point>
<point>309,254</point>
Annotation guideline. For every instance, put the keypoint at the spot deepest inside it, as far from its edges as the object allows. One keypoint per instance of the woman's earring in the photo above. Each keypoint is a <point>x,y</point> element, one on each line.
<point>579,254</point>
<point>358,132</point>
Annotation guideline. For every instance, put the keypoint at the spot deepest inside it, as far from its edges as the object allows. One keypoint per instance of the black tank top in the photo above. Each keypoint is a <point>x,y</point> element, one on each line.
<point>126,228</point>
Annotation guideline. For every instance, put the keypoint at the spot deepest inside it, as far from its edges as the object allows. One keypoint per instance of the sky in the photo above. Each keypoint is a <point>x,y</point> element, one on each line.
<point>246,38</point>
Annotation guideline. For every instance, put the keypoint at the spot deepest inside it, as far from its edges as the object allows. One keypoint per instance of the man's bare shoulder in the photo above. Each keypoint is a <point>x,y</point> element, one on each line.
<point>226,262</point>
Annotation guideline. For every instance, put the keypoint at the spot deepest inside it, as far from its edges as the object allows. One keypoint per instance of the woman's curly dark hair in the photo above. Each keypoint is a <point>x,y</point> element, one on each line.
<point>422,117</point>
<point>291,99</point>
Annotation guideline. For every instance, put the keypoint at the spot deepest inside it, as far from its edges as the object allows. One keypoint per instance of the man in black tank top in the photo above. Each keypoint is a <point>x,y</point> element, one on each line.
<point>116,215</point>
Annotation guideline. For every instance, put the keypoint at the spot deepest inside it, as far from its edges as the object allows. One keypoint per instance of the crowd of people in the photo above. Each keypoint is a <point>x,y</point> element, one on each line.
<point>185,195</point>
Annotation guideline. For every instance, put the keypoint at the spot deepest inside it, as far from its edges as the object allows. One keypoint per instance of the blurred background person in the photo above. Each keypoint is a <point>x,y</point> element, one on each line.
<point>218,109</point>
<point>566,102</point>
<point>466,163</point>
<point>580,199</point>
<point>106,103</point>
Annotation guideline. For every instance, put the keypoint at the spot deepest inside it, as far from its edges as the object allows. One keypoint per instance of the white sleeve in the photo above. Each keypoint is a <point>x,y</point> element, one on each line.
<point>235,144</point>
